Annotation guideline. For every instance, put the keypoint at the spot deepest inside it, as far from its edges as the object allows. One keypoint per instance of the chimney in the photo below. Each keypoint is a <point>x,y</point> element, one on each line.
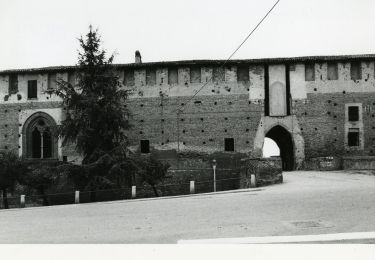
<point>138,57</point>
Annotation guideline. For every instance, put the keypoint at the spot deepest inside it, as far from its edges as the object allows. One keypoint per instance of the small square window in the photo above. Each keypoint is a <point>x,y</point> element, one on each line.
<point>32,89</point>
<point>309,72</point>
<point>229,144</point>
<point>145,146</point>
<point>353,137</point>
<point>353,113</point>
<point>332,71</point>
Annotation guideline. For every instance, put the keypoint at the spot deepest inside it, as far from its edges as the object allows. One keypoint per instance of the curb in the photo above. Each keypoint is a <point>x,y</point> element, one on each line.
<point>136,199</point>
<point>321,238</point>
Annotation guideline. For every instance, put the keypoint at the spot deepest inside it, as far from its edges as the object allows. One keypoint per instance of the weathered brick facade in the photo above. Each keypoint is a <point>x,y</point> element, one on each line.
<point>309,97</point>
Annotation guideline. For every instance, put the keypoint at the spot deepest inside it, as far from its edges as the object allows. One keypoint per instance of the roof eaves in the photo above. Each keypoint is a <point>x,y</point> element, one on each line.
<point>365,57</point>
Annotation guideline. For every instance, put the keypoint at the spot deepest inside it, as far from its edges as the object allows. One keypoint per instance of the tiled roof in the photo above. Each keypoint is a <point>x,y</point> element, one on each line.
<point>362,57</point>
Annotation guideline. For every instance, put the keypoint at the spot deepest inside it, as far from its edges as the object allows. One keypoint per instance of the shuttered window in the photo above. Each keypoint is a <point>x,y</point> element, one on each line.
<point>150,77</point>
<point>32,89</point>
<point>243,74</point>
<point>13,84</point>
<point>332,71</point>
<point>355,71</point>
<point>195,75</point>
<point>309,72</point>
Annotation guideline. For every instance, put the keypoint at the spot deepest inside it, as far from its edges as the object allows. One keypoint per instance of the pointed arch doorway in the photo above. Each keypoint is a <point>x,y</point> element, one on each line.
<point>285,143</point>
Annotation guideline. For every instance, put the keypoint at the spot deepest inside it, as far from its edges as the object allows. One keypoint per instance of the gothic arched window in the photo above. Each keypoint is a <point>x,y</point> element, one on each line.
<point>39,138</point>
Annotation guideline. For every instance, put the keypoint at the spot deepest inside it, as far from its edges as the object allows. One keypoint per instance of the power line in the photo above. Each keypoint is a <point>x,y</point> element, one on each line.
<point>179,110</point>
<point>234,52</point>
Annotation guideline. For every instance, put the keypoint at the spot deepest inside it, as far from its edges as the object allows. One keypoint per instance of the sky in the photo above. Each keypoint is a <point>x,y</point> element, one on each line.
<point>43,33</point>
<point>270,148</point>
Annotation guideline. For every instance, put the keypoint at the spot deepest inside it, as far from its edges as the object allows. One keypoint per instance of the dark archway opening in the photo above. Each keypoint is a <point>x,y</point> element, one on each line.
<point>284,141</point>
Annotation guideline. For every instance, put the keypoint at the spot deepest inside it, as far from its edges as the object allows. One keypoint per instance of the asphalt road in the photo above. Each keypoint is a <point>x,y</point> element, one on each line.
<point>306,203</point>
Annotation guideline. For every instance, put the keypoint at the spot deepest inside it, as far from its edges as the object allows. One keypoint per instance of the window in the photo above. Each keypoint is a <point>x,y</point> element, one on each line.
<point>145,146</point>
<point>172,76</point>
<point>309,72</point>
<point>332,71</point>
<point>229,144</point>
<point>355,70</point>
<point>195,75</point>
<point>151,77</point>
<point>353,137</point>
<point>52,81</point>
<point>13,84</point>
<point>353,113</point>
<point>32,90</point>
<point>129,78</point>
<point>218,74</point>
<point>40,140</point>
<point>72,78</point>
<point>243,74</point>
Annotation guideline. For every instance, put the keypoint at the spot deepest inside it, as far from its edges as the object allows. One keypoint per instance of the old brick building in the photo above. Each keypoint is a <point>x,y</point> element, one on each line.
<point>319,110</point>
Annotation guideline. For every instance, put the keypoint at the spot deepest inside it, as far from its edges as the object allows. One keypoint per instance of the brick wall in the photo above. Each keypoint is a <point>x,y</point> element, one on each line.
<point>201,127</point>
<point>322,121</point>
<point>11,126</point>
<point>224,108</point>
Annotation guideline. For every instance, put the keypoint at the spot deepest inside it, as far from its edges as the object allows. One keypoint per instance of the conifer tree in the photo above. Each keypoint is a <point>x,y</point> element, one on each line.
<point>96,117</point>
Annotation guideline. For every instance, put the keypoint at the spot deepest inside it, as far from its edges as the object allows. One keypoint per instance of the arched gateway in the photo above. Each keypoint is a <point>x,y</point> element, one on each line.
<point>39,137</point>
<point>285,143</point>
<point>286,132</point>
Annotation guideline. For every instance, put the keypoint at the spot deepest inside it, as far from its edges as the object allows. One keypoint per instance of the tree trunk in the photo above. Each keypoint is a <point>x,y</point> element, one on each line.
<point>155,190</point>
<point>5,199</point>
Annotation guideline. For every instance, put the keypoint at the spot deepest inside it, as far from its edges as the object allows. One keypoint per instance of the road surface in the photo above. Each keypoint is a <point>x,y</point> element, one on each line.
<point>306,203</point>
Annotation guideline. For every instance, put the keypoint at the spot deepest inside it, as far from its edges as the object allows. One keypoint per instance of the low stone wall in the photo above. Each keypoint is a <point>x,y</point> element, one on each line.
<point>328,163</point>
<point>266,170</point>
<point>359,163</point>
<point>197,167</point>
<point>233,171</point>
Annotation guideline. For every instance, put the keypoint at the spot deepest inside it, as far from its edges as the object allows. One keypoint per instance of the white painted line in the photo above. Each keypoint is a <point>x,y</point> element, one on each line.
<point>283,239</point>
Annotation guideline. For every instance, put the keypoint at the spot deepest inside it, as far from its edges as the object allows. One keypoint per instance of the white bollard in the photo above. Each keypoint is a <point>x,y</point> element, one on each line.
<point>76,199</point>
<point>22,201</point>
<point>253,182</point>
<point>134,192</point>
<point>192,187</point>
